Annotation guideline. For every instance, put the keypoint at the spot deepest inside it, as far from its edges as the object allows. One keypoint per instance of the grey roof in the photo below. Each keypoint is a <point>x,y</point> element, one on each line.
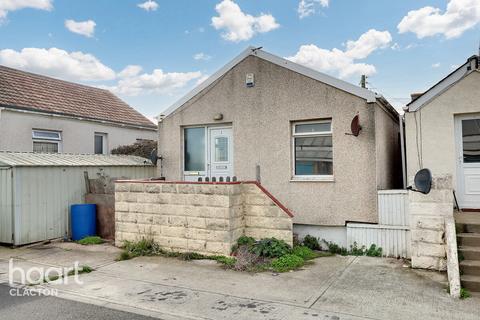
<point>30,159</point>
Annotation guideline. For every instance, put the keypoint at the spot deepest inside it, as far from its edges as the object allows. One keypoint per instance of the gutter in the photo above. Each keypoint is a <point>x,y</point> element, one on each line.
<point>67,116</point>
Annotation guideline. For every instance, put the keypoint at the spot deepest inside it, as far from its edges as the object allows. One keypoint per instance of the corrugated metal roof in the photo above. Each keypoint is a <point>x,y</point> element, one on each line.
<point>30,159</point>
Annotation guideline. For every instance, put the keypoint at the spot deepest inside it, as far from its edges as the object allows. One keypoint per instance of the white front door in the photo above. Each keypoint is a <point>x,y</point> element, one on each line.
<point>468,161</point>
<point>221,153</point>
<point>207,153</point>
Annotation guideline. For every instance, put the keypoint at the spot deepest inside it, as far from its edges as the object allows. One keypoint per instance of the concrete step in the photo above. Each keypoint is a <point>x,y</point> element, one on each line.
<point>469,253</point>
<point>471,283</point>
<point>472,218</point>
<point>470,267</point>
<point>468,239</point>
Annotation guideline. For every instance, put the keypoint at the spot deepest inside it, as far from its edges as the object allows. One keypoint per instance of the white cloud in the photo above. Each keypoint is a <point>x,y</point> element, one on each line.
<point>308,7</point>
<point>13,5</point>
<point>436,65</point>
<point>201,56</point>
<point>84,28</point>
<point>459,16</point>
<point>343,63</point>
<point>130,71</point>
<point>238,25</point>
<point>57,63</point>
<point>156,82</point>
<point>148,5</point>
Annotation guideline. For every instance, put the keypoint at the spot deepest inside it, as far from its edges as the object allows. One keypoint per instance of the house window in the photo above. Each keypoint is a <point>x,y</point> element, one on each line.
<point>46,141</point>
<point>100,143</point>
<point>194,152</point>
<point>312,150</point>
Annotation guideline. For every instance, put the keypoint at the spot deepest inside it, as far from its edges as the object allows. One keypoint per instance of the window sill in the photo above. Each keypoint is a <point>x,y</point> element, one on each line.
<point>312,179</point>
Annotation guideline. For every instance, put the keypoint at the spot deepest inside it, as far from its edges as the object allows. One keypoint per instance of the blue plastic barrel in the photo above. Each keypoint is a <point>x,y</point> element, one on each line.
<point>83,220</point>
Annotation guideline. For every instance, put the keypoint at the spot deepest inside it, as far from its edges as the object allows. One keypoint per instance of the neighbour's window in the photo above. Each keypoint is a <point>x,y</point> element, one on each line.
<point>100,143</point>
<point>312,149</point>
<point>194,149</point>
<point>46,141</point>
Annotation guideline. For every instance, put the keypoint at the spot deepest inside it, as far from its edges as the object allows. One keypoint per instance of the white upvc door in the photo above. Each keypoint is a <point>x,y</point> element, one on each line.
<point>220,162</point>
<point>467,132</point>
<point>207,153</point>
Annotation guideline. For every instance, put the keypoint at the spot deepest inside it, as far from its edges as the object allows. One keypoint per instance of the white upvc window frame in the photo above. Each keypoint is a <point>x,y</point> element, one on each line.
<point>104,136</point>
<point>52,140</point>
<point>295,177</point>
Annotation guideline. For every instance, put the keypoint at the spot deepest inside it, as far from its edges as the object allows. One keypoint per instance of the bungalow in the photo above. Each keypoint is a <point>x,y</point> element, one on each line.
<point>43,114</point>
<point>320,145</point>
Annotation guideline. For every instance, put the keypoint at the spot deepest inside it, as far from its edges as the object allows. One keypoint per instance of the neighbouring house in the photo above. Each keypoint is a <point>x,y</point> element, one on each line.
<point>264,118</point>
<point>442,130</point>
<point>43,114</point>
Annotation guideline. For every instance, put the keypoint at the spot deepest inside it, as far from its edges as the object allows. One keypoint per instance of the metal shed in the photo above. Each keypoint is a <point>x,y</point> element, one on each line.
<point>37,189</point>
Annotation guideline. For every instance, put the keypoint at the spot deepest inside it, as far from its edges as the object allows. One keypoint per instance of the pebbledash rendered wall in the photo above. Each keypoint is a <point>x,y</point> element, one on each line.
<point>206,218</point>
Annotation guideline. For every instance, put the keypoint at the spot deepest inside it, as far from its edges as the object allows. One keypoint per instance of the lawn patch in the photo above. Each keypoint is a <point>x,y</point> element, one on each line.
<point>90,240</point>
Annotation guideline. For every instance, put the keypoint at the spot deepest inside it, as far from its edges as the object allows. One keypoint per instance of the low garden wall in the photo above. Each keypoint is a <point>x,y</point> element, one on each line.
<point>201,217</point>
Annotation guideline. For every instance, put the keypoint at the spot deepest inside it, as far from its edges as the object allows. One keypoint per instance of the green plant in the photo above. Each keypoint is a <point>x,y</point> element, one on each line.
<point>271,248</point>
<point>144,247</point>
<point>304,252</point>
<point>374,251</point>
<point>356,251</point>
<point>227,261</point>
<point>124,255</point>
<point>83,269</point>
<point>287,262</point>
<point>464,293</point>
<point>243,241</point>
<point>311,242</point>
<point>90,240</point>
<point>336,249</point>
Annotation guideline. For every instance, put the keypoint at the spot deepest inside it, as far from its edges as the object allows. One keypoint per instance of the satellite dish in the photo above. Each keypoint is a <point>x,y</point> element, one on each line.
<point>355,126</point>
<point>423,181</point>
<point>154,157</point>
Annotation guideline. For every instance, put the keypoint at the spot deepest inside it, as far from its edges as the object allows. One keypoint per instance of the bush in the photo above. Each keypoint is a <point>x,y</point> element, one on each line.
<point>141,148</point>
<point>271,248</point>
<point>90,240</point>
<point>304,252</point>
<point>311,242</point>
<point>144,247</point>
<point>373,251</point>
<point>336,249</point>
<point>287,262</point>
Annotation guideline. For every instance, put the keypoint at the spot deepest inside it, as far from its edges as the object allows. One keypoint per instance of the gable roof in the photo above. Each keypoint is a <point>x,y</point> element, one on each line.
<point>366,94</point>
<point>461,72</point>
<point>29,91</point>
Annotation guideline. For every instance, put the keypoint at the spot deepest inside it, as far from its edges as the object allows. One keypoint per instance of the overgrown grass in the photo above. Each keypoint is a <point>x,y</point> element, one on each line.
<point>286,263</point>
<point>82,269</point>
<point>372,251</point>
<point>90,240</point>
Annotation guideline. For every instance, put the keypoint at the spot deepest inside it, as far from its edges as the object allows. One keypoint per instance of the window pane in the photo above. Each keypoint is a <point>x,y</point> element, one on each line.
<point>221,149</point>
<point>45,147</point>
<point>313,127</point>
<point>98,144</point>
<point>471,140</point>
<point>194,149</point>
<point>47,135</point>
<point>313,156</point>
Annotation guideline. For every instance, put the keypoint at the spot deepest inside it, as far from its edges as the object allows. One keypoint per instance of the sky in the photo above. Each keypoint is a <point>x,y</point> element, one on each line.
<point>151,53</point>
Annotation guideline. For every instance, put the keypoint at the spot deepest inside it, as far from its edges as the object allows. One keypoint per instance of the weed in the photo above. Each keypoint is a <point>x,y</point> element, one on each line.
<point>124,255</point>
<point>464,293</point>
<point>227,261</point>
<point>336,249</point>
<point>373,251</point>
<point>144,247</point>
<point>311,242</point>
<point>287,262</point>
<point>271,248</point>
<point>83,269</point>
<point>90,240</point>
<point>304,252</point>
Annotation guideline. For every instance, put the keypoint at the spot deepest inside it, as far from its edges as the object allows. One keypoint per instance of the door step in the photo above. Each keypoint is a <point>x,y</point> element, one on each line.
<point>471,283</point>
<point>469,253</point>
<point>470,267</point>
<point>468,239</point>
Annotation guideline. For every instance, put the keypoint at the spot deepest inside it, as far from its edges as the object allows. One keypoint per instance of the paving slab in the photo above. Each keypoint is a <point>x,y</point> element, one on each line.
<point>385,289</point>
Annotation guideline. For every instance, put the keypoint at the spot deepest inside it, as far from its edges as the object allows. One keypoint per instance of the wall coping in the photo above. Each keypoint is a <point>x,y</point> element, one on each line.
<point>258,184</point>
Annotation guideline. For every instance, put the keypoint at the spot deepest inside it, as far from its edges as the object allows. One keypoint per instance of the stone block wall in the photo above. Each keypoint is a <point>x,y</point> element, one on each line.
<point>207,218</point>
<point>428,213</point>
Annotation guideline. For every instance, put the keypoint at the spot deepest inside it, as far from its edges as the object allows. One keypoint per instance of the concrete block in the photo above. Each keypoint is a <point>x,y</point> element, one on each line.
<point>130,197</point>
<point>220,248</point>
<point>203,189</point>
<point>421,249</point>
<point>196,222</point>
<point>442,182</point>
<point>217,224</point>
<point>429,236</point>
<point>177,244</point>
<point>177,232</point>
<point>146,198</point>
<point>263,211</point>
<point>153,188</point>
<point>431,208</point>
<point>258,199</point>
<point>145,218</point>
<point>136,207</point>
<point>196,245</point>
<point>159,220</point>
<point>122,187</point>
<point>163,198</point>
<point>197,200</point>
<point>121,206</point>
<point>169,188</point>
<point>236,200</point>
<point>250,188</point>
<point>432,263</point>
<point>186,188</point>
<point>137,187</point>
<point>177,221</point>
<point>219,201</point>
<point>435,195</point>
<point>427,222</point>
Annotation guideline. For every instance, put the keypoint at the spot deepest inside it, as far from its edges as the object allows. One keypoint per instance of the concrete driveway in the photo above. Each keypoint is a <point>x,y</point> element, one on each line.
<point>330,288</point>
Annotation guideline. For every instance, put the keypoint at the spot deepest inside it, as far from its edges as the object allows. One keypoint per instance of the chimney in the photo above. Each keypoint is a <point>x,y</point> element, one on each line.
<point>415,95</point>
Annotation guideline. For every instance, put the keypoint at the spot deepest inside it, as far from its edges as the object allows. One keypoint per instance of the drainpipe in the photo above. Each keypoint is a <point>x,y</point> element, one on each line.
<point>402,148</point>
